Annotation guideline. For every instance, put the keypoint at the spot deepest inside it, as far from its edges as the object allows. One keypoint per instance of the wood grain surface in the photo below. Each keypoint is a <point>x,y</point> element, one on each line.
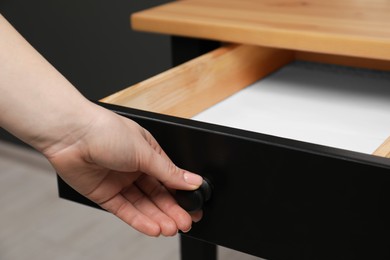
<point>196,85</point>
<point>384,149</point>
<point>347,27</point>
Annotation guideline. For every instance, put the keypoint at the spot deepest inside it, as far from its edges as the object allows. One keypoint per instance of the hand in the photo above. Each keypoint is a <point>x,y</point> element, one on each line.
<point>107,158</point>
<point>119,165</point>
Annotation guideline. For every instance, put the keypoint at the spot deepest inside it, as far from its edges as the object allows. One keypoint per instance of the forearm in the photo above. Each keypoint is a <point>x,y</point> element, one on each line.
<point>108,158</point>
<point>37,104</point>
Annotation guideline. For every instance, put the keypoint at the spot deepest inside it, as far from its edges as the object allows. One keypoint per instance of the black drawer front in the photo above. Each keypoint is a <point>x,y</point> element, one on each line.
<point>278,198</point>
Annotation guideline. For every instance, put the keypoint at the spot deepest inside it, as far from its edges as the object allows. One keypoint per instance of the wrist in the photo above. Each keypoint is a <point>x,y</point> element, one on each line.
<point>64,127</point>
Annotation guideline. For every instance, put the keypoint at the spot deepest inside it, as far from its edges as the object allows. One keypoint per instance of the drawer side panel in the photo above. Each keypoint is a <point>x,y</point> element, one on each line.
<point>190,88</point>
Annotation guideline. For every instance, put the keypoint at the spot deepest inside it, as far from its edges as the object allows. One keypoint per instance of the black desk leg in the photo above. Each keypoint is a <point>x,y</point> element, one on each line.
<point>194,249</point>
<point>184,49</point>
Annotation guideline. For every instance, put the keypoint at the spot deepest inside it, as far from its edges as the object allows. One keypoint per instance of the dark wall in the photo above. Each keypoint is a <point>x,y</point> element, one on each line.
<point>90,41</point>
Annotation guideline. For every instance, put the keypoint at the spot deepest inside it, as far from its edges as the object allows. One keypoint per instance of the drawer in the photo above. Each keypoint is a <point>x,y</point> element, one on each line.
<point>328,97</point>
<point>274,196</point>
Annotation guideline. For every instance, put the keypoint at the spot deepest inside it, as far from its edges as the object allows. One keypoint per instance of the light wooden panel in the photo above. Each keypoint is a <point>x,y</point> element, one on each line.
<point>344,27</point>
<point>357,62</point>
<point>190,88</point>
<point>384,149</point>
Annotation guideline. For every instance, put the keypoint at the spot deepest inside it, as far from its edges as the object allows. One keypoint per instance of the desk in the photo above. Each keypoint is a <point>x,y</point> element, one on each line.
<point>274,197</point>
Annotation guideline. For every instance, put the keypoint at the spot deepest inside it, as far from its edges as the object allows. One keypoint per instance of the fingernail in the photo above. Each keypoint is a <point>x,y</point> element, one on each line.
<point>193,179</point>
<point>186,231</point>
<point>196,219</point>
<point>196,216</point>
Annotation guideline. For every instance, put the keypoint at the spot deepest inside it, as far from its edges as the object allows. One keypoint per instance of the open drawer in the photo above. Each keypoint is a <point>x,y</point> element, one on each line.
<point>352,99</point>
<point>275,197</point>
<point>294,196</point>
<point>309,190</point>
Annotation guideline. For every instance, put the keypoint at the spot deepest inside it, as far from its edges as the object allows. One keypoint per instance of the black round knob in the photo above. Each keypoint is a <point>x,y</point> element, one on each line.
<point>195,199</point>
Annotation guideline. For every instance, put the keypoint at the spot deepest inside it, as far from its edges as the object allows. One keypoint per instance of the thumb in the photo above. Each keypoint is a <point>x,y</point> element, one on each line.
<point>161,167</point>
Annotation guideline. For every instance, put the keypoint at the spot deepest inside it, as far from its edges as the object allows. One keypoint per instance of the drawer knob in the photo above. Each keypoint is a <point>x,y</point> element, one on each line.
<point>195,199</point>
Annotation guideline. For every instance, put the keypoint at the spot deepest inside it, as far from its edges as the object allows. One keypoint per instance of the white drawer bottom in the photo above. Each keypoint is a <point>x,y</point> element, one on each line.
<point>323,104</point>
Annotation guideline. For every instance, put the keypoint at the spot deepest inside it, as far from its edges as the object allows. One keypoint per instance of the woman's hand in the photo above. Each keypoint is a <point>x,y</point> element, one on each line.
<point>107,158</point>
<point>120,166</point>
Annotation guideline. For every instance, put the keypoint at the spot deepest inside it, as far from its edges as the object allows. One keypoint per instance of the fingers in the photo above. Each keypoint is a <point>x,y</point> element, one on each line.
<point>156,163</point>
<point>162,198</point>
<point>172,178</point>
<point>147,205</point>
<point>137,210</point>
<point>148,208</point>
<point>124,210</point>
<point>196,216</point>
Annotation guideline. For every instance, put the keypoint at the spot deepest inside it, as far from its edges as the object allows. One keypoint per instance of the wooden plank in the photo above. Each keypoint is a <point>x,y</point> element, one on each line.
<point>384,149</point>
<point>194,86</point>
<point>357,62</point>
<point>348,27</point>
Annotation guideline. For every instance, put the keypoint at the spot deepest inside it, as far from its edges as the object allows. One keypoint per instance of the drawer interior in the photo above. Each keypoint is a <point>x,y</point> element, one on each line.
<point>273,92</point>
<point>324,104</point>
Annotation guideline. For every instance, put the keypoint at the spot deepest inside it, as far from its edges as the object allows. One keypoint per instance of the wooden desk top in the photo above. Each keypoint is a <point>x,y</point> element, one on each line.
<point>345,27</point>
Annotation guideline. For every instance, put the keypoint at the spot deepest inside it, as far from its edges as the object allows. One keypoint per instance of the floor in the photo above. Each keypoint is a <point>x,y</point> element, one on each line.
<point>36,224</point>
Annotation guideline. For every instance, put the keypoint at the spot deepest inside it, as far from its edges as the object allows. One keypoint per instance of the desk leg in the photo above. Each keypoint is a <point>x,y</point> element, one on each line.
<point>184,49</point>
<point>194,249</point>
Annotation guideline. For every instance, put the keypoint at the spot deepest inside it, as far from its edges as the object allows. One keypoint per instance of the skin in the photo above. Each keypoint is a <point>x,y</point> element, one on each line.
<point>109,159</point>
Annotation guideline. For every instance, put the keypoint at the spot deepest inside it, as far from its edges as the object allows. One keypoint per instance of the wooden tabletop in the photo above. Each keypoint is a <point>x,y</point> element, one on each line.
<point>346,27</point>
